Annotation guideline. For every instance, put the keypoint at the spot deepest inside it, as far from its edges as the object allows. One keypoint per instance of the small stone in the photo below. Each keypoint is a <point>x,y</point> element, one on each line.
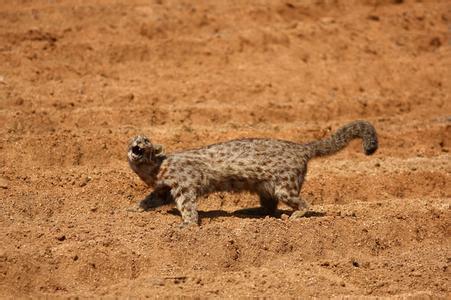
<point>284,217</point>
<point>327,20</point>
<point>85,181</point>
<point>3,183</point>
<point>61,237</point>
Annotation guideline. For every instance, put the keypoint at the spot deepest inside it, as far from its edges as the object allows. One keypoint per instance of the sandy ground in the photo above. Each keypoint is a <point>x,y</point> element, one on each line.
<point>79,78</point>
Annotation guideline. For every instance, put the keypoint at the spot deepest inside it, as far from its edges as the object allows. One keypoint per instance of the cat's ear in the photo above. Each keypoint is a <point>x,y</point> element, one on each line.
<point>158,150</point>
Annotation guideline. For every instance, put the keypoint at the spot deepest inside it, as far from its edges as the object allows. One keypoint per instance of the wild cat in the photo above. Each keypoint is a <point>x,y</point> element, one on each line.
<point>273,169</point>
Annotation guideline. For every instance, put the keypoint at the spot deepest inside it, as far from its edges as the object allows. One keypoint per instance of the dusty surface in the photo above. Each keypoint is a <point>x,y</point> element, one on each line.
<point>78,78</point>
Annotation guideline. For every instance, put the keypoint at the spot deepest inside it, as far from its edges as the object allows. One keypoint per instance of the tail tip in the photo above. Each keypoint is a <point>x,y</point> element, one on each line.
<point>370,149</point>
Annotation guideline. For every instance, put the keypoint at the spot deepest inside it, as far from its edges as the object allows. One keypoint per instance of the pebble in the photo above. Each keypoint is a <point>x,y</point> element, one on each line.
<point>3,183</point>
<point>327,20</point>
<point>85,181</point>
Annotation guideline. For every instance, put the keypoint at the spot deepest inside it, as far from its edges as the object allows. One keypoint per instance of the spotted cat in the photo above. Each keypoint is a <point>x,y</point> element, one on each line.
<point>273,169</point>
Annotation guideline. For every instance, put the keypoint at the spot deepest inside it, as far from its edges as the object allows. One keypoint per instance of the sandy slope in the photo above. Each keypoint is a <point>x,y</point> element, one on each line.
<point>78,78</point>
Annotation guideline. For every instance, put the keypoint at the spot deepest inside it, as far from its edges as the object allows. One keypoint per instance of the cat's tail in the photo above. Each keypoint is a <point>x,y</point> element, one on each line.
<point>342,137</point>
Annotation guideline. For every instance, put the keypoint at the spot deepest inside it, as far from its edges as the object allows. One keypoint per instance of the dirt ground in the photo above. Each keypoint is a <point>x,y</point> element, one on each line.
<point>79,78</point>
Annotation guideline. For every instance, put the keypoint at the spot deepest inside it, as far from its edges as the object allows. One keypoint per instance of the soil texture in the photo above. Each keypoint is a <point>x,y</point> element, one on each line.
<point>79,78</point>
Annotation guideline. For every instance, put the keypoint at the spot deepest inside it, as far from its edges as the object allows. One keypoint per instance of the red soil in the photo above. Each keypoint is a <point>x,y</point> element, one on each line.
<point>79,78</point>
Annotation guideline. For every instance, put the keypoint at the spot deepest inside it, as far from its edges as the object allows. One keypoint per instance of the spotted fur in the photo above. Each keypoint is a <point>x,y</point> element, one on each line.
<point>272,169</point>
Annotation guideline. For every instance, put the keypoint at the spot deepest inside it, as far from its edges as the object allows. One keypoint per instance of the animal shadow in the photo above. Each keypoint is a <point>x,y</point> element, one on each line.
<point>248,213</point>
